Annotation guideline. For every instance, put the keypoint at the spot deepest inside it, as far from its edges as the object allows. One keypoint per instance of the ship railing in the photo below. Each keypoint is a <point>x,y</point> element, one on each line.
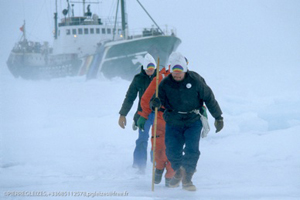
<point>31,47</point>
<point>145,32</point>
<point>140,32</point>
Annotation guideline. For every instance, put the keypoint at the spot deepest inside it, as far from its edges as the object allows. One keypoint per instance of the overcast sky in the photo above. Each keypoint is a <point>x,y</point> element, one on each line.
<point>237,34</point>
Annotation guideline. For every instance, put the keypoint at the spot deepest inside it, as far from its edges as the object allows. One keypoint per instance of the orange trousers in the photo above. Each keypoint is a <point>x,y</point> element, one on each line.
<point>161,159</point>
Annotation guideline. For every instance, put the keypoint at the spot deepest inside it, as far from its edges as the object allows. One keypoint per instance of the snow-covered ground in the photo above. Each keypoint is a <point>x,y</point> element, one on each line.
<point>61,137</point>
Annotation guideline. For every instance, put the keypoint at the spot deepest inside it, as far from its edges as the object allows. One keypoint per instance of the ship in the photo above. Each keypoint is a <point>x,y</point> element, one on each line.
<point>88,46</point>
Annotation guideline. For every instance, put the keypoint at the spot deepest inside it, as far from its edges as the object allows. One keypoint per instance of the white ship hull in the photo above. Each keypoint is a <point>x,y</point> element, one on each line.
<point>124,59</point>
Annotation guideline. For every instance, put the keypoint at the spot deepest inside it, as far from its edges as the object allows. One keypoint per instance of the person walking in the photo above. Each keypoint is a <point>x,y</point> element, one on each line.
<point>183,93</point>
<point>138,86</point>
<point>161,160</point>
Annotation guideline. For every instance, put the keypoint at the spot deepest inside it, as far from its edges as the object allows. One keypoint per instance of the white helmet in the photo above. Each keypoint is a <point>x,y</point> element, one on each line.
<point>178,62</point>
<point>149,62</point>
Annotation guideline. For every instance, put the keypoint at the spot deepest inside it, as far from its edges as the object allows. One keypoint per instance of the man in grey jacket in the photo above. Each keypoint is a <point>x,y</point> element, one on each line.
<point>137,87</point>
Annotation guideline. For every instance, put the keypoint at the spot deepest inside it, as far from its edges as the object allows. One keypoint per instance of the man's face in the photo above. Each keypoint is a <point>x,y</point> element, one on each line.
<point>149,72</point>
<point>178,76</point>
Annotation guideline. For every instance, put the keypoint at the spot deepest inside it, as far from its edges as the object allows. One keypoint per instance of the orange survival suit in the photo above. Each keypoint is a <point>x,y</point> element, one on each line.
<point>160,150</point>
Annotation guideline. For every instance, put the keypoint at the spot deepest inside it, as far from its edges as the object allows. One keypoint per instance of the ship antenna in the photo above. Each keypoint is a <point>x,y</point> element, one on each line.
<point>68,8</point>
<point>72,10</point>
<point>24,31</point>
<point>150,17</point>
<point>83,5</point>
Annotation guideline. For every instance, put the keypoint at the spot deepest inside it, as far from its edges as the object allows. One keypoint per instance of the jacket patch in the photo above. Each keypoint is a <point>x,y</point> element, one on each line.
<point>188,85</point>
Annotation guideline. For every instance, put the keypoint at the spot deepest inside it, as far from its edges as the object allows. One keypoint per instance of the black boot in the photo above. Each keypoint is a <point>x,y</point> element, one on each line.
<point>158,175</point>
<point>174,182</point>
<point>187,183</point>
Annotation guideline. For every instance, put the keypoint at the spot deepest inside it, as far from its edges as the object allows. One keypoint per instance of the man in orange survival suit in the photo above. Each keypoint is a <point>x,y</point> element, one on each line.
<point>161,159</point>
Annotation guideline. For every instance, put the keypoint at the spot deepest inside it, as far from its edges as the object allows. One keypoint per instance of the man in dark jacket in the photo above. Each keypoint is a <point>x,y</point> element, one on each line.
<point>138,86</point>
<point>183,93</point>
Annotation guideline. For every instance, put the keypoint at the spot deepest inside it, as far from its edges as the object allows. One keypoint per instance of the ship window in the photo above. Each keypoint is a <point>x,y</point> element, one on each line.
<point>58,32</point>
<point>91,31</point>
<point>86,31</point>
<point>103,31</point>
<point>68,31</point>
<point>108,31</point>
<point>74,31</point>
<point>80,31</point>
<point>98,30</point>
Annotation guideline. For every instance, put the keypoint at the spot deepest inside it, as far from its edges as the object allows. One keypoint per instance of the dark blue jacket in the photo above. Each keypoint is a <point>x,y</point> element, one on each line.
<point>185,96</point>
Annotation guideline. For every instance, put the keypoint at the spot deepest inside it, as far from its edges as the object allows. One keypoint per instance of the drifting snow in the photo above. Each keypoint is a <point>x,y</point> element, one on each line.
<point>62,136</point>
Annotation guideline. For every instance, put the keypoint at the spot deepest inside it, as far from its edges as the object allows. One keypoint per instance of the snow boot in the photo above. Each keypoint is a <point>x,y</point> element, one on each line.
<point>174,182</point>
<point>167,182</point>
<point>187,183</point>
<point>141,171</point>
<point>157,176</point>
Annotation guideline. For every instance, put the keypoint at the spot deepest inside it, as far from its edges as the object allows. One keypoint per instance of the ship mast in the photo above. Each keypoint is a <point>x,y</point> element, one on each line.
<point>55,21</point>
<point>150,17</point>
<point>124,20</point>
<point>83,6</point>
<point>23,29</point>
<point>114,31</point>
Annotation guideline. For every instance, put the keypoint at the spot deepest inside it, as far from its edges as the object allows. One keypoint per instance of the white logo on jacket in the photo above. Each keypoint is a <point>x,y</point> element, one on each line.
<point>188,86</point>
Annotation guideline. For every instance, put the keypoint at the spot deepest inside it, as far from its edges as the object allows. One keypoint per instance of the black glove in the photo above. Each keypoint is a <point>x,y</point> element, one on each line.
<point>219,124</point>
<point>156,103</point>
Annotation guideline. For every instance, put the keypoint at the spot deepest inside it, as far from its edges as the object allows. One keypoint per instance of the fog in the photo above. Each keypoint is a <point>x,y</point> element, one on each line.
<point>56,134</point>
<point>241,38</point>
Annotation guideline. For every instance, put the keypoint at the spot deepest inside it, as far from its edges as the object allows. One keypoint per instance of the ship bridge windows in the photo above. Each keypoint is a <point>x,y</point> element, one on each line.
<point>91,31</point>
<point>68,32</point>
<point>80,31</point>
<point>74,31</point>
<point>86,31</point>
<point>108,31</point>
<point>97,30</point>
<point>103,31</point>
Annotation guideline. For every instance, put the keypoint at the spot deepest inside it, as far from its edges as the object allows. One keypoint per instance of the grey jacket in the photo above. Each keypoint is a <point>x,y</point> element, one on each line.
<point>138,86</point>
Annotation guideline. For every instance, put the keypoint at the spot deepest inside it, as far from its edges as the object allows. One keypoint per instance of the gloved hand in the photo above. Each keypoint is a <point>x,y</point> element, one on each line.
<point>141,123</point>
<point>122,121</point>
<point>156,103</point>
<point>134,126</point>
<point>219,124</point>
